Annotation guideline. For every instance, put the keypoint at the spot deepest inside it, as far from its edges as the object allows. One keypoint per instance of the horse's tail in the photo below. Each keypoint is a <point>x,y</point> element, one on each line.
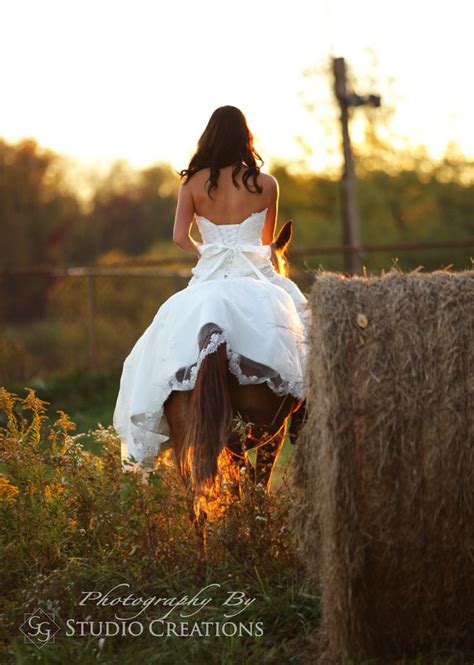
<point>210,418</point>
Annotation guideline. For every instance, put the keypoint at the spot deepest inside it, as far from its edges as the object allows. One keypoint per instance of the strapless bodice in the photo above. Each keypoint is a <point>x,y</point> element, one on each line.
<point>238,247</point>
<point>247,232</point>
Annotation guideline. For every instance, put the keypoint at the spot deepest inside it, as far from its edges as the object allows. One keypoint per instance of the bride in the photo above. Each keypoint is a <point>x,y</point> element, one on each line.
<point>237,303</point>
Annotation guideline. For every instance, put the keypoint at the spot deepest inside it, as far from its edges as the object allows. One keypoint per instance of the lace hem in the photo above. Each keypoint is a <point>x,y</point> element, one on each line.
<point>152,429</point>
<point>276,383</point>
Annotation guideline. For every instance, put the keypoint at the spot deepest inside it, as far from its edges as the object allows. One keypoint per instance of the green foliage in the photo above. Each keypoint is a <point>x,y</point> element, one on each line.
<point>48,324</point>
<point>89,398</point>
<point>401,196</point>
<point>72,520</point>
<point>125,306</point>
<point>37,207</point>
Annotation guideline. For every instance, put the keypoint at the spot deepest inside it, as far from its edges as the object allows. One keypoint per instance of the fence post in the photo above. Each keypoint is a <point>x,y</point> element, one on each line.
<point>91,321</point>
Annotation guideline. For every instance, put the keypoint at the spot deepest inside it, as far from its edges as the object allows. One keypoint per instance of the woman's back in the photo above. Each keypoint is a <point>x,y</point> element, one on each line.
<point>228,204</point>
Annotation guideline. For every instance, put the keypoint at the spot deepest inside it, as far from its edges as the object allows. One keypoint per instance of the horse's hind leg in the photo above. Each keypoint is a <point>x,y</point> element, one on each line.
<point>266,455</point>
<point>298,419</point>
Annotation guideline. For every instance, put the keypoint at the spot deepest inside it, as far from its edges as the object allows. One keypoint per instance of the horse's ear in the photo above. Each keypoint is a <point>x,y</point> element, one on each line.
<point>284,236</point>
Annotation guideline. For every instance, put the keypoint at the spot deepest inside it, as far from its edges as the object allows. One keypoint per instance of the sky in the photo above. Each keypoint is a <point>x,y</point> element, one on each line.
<point>98,80</point>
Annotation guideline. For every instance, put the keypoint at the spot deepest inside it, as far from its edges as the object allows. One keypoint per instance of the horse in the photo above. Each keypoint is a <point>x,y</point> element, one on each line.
<point>201,420</point>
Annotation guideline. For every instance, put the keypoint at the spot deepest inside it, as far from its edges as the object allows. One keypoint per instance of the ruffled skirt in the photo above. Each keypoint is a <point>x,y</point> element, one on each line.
<point>263,325</point>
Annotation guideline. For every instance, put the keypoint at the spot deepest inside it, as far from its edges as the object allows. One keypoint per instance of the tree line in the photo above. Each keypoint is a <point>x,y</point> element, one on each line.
<point>45,221</point>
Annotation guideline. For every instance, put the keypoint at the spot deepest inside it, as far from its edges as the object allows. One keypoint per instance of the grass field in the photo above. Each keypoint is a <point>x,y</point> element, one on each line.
<point>71,522</point>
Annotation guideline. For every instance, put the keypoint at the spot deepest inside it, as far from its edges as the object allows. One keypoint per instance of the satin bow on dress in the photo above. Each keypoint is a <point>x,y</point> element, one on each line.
<point>218,252</point>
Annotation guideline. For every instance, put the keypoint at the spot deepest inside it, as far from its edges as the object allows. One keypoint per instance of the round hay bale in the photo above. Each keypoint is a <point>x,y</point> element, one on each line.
<point>384,465</point>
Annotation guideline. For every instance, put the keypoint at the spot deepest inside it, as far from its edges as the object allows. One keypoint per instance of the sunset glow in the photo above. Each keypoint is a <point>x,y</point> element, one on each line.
<point>105,80</point>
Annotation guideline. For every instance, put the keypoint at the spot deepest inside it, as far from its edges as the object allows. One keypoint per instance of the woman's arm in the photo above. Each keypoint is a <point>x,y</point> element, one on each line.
<point>183,221</point>
<point>268,230</point>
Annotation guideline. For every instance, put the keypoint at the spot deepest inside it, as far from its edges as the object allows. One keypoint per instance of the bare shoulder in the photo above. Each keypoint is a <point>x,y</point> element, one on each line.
<point>271,185</point>
<point>270,181</point>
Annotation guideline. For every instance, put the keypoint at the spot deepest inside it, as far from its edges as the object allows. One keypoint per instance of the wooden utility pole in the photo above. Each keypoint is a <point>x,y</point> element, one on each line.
<point>350,218</point>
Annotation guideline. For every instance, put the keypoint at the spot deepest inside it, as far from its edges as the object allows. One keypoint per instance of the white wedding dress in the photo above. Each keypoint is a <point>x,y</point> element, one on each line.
<point>262,317</point>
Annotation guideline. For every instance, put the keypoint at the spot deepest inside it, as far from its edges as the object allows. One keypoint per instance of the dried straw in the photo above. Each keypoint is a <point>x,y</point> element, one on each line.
<point>384,466</point>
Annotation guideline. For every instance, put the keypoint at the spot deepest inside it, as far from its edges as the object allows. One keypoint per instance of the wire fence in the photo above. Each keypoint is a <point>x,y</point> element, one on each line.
<point>77,318</point>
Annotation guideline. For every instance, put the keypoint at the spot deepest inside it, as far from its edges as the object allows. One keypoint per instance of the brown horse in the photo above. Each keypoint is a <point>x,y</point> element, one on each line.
<point>200,420</point>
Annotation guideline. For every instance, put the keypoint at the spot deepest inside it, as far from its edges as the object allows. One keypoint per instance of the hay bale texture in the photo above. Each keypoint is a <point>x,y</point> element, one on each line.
<point>384,465</point>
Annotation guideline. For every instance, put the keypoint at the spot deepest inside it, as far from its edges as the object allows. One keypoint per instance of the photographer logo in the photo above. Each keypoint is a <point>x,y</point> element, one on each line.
<point>39,628</point>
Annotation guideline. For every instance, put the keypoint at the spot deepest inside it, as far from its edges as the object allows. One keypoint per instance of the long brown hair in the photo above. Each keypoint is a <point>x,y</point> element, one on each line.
<point>226,140</point>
